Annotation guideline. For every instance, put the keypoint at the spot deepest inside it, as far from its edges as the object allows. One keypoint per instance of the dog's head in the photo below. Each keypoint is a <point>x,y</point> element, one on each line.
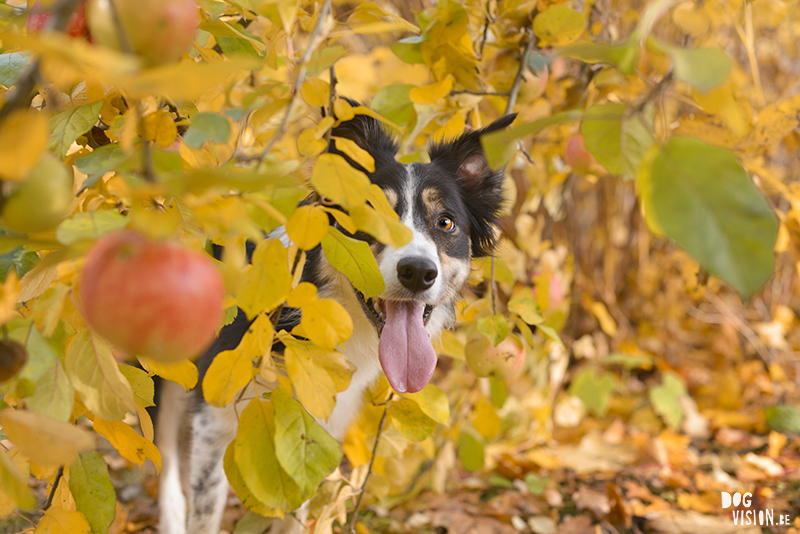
<point>452,206</point>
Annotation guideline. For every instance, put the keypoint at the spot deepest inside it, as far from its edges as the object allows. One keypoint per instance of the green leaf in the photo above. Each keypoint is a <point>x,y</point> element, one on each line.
<point>94,494</point>
<point>252,523</point>
<point>784,418</point>
<point>433,403</point>
<point>410,420</point>
<point>623,56</point>
<point>501,146</point>
<point>701,197</point>
<point>89,225</point>
<point>20,260</point>
<point>303,448</point>
<point>324,59</point>
<point>703,68</point>
<point>495,327</point>
<point>12,64</point>
<point>558,26</point>
<point>593,390</point>
<point>393,103</point>
<point>409,50</point>
<point>471,452</point>
<point>207,127</point>
<point>53,394</point>
<point>255,458</point>
<point>354,259</point>
<point>334,178</point>
<point>67,126</point>
<point>618,141</point>
<point>141,383</point>
<point>499,392</point>
<point>103,159</point>
<point>664,399</point>
<point>535,483</point>
<point>550,332</point>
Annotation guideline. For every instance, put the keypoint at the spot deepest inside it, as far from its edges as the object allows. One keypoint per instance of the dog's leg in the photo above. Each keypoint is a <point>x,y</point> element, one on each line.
<point>171,500</point>
<point>206,485</point>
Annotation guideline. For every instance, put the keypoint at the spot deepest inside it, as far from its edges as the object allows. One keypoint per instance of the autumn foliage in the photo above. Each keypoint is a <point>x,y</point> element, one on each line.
<point>645,287</point>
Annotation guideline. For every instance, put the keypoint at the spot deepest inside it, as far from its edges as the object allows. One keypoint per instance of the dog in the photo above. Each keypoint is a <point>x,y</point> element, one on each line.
<point>452,205</point>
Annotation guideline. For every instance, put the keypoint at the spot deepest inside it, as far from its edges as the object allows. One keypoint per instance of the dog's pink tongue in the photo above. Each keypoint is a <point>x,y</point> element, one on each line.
<point>405,350</point>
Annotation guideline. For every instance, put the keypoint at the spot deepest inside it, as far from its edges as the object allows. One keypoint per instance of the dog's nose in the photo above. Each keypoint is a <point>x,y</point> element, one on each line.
<point>417,273</point>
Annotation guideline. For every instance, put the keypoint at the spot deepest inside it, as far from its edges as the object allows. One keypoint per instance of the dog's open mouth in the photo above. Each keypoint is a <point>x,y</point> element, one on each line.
<point>405,349</point>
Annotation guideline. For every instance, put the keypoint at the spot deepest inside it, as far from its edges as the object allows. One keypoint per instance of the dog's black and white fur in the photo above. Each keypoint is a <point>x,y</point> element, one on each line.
<point>452,205</point>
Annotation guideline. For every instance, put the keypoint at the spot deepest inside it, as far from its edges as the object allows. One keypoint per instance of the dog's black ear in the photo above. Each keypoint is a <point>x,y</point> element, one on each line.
<point>369,134</point>
<point>483,188</point>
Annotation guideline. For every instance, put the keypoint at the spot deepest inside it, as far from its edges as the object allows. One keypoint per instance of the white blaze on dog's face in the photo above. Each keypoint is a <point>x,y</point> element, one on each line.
<point>451,205</point>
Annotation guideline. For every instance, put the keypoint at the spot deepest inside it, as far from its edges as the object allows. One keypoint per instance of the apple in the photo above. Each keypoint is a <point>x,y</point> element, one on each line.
<point>42,200</point>
<point>76,27</point>
<point>160,300</point>
<point>159,31</point>
<point>13,358</point>
<point>577,157</point>
<point>502,362</point>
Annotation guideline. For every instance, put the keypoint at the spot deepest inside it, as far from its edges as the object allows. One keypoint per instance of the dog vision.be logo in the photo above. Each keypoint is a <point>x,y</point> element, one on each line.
<point>762,518</point>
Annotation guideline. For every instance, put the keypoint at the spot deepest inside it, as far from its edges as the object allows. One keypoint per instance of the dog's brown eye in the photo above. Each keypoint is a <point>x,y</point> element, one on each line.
<point>446,224</point>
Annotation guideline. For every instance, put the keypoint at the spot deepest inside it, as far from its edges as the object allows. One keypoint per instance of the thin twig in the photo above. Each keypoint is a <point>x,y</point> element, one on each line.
<point>480,93</point>
<point>494,287</point>
<point>331,99</point>
<point>22,94</point>
<point>52,495</point>
<point>301,74</point>
<point>485,29</point>
<point>363,490</point>
<point>514,92</point>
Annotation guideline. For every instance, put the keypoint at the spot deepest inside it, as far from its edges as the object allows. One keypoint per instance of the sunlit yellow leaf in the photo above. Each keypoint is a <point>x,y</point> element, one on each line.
<point>187,80</point>
<point>303,294</point>
<point>370,18</point>
<point>307,226</point>
<point>326,323</point>
<point>722,103</point>
<point>309,145</point>
<point>607,322</point>
<point>558,26</point>
<point>429,94</point>
<point>451,130</point>
<point>268,281</point>
<point>59,521</point>
<point>13,486</point>
<point>335,179</point>
<point>433,403</point>
<point>45,440</point>
<point>317,376</point>
<point>355,260</point>
<point>316,92</point>
<point>9,294</point>
<point>349,148</point>
<point>485,418</point>
<point>182,372</point>
<point>342,110</point>
<point>387,230</point>
<point>160,128</point>
<point>23,137</point>
<point>230,371</point>
<point>96,377</point>
<point>128,443</point>
<point>237,483</point>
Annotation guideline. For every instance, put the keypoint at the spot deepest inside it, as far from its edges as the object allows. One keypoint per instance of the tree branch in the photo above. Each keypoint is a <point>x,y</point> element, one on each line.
<point>514,92</point>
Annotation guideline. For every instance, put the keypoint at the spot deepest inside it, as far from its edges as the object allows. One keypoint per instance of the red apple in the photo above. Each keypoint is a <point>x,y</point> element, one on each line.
<point>38,17</point>
<point>154,299</point>
<point>159,31</point>
<point>502,362</point>
<point>576,155</point>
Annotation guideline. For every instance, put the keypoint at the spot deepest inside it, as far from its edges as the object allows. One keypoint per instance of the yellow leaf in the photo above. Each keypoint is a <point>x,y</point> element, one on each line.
<point>335,179</point>
<point>317,376</point>
<point>268,281</point>
<point>342,218</point>
<point>23,138</point>
<point>244,494</point>
<point>307,226</point>
<point>9,293</point>
<point>485,419</point>
<point>182,372</point>
<point>309,145</point>
<point>159,128</point>
<point>343,110</point>
<point>316,92</point>
<point>59,521</point>
<point>128,443</point>
<point>97,379</point>
<point>43,439</point>
<point>230,371</point>
<point>349,148</point>
<point>607,322</point>
<point>187,80</point>
<point>303,294</point>
<point>387,230</point>
<point>326,323</point>
<point>370,18</point>
<point>257,341</point>
<point>380,203</point>
<point>454,127</point>
<point>145,421</point>
<point>13,486</point>
<point>429,94</point>
<point>433,403</point>
<point>722,103</point>
<point>36,281</point>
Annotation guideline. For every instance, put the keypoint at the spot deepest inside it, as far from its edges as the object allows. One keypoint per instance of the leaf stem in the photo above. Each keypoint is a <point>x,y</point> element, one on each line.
<point>51,496</point>
<point>352,527</point>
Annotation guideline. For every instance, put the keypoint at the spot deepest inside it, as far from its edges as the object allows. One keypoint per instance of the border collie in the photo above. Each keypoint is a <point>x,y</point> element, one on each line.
<point>451,204</point>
